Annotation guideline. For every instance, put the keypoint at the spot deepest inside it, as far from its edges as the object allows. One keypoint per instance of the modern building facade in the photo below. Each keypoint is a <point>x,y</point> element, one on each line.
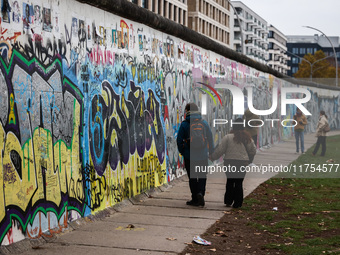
<point>208,17</point>
<point>175,10</point>
<point>233,24</point>
<point>300,45</point>
<point>211,18</point>
<point>277,48</point>
<point>250,33</point>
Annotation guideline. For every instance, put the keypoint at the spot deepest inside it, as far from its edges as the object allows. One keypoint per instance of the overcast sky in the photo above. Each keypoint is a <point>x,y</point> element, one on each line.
<point>289,16</point>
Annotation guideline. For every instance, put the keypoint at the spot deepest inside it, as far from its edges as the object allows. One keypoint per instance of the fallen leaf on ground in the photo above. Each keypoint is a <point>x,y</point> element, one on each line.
<point>130,226</point>
<point>171,238</point>
<point>212,249</point>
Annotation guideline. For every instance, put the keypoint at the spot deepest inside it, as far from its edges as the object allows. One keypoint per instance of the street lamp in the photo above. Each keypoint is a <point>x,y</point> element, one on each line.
<point>239,22</point>
<point>334,52</point>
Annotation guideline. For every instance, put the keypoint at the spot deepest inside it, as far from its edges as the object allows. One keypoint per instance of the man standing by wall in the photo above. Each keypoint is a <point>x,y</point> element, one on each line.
<point>194,142</point>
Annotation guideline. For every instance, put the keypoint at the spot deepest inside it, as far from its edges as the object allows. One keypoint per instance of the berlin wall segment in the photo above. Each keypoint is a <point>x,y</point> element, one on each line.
<point>91,103</point>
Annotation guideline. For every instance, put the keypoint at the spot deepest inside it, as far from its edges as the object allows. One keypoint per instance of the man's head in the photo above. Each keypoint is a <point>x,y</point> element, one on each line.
<point>191,107</point>
<point>298,111</point>
<point>238,127</point>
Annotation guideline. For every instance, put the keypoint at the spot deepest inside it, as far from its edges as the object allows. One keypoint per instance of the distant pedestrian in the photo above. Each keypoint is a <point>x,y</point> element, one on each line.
<point>321,134</point>
<point>252,129</point>
<point>239,149</point>
<point>299,129</point>
<point>194,142</point>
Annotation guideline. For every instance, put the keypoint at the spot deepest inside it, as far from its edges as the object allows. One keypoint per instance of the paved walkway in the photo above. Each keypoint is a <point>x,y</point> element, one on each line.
<point>159,222</point>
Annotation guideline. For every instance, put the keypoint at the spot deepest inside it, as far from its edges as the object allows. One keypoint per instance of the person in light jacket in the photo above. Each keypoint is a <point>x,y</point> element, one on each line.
<point>321,134</point>
<point>301,122</point>
<point>239,149</point>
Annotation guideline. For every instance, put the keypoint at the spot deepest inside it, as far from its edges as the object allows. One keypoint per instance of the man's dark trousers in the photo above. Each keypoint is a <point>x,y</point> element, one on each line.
<point>197,180</point>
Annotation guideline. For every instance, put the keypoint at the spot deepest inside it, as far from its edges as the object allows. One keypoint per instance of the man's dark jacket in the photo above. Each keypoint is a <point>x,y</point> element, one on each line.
<point>184,135</point>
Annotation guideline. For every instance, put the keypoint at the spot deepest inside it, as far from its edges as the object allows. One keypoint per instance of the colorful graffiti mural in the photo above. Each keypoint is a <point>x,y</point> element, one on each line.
<point>90,109</point>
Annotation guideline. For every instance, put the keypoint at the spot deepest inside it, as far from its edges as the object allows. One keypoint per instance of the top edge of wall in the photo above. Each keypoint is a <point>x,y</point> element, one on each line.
<point>135,13</point>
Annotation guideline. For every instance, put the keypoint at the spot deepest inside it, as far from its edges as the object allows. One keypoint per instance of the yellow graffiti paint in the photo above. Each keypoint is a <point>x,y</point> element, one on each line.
<point>48,181</point>
<point>271,81</point>
<point>137,176</point>
<point>11,116</point>
<point>141,112</point>
<point>69,163</point>
<point>2,197</point>
<point>123,106</point>
<point>115,114</point>
<point>18,191</point>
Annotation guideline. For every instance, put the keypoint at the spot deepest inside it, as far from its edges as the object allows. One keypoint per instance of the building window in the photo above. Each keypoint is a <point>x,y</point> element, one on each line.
<point>295,50</point>
<point>180,16</point>
<point>145,4</point>
<point>270,34</point>
<point>175,13</point>
<point>135,1</point>
<point>154,6</point>
<point>295,60</point>
<point>310,50</point>
<point>164,8</point>
<point>302,50</point>
<point>170,11</point>
<point>295,69</point>
<point>184,18</point>
<point>159,6</point>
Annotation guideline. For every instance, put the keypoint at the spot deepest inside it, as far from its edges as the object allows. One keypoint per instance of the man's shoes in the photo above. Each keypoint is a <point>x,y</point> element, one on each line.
<point>192,203</point>
<point>200,199</point>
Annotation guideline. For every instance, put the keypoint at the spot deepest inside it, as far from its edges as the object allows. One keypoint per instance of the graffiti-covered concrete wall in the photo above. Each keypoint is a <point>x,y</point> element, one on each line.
<point>90,106</point>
